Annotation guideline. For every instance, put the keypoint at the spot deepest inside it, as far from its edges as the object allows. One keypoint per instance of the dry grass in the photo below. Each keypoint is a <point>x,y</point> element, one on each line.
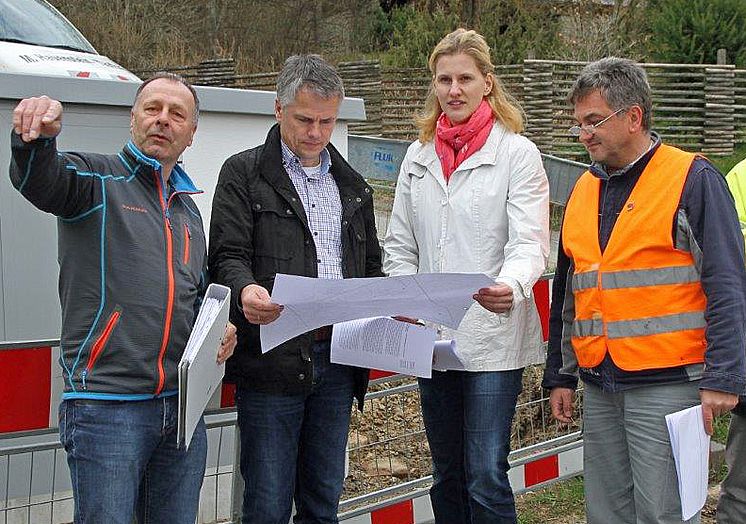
<point>259,35</point>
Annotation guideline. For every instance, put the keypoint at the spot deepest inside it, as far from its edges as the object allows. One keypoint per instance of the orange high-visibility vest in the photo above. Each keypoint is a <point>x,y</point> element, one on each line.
<point>641,300</point>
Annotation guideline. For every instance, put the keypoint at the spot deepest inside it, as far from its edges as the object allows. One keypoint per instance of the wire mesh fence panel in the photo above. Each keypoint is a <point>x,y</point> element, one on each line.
<point>35,485</point>
<point>388,456</point>
<point>387,444</point>
<point>388,450</point>
<point>35,481</point>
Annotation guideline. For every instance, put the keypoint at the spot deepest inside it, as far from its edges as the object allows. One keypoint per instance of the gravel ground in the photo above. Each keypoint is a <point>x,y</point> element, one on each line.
<point>708,512</point>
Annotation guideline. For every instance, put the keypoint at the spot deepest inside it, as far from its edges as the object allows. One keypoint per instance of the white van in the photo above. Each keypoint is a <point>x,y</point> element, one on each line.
<point>36,39</point>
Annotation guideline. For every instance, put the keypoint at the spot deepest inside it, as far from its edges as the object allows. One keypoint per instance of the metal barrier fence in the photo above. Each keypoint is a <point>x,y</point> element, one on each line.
<point>35,482</point>
<point>389,460</point>
<point>389,456</point>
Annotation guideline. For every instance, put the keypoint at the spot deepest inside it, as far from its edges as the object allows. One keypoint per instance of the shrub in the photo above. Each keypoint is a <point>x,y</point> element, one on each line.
<point>511,27</point>
<point>691,31</point>
<point>410,34</point>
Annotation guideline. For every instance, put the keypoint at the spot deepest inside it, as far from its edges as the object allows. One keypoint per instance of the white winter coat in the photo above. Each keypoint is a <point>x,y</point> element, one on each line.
<point>493,218</point>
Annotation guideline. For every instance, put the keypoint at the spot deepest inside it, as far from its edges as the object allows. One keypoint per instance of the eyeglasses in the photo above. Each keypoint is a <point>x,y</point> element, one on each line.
<point>591,128</point>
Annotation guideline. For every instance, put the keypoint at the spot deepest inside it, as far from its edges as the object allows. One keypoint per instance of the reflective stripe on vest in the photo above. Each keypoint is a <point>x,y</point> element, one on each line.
<point>641,300</point>
<point>636,278</point>
<point>640,327</point>
<point>586,280</point>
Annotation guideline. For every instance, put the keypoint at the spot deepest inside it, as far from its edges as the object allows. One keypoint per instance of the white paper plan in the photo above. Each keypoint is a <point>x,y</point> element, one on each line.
<point>386,344</point>
<point>691,452</point>
<point>445,357</point>
<point>310,303</point>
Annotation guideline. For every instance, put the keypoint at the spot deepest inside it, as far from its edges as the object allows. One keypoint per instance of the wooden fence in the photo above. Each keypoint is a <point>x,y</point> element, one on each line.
<point>693,105</point>
<point>697,107</point>
<point>361,80</point>
<point>217,72</point>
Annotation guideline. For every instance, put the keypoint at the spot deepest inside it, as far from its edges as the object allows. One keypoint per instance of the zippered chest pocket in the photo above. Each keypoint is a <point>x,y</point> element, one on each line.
<point>190,252</point>
<point>187,244</point>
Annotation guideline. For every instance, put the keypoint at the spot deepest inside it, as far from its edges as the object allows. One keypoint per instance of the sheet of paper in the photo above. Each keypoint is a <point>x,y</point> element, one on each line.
<point>691,452</point>
<point>445,358</point>
<point>205,319</point>
<point>199,373</point>
<point>386,344</point>
<point>310,303</point>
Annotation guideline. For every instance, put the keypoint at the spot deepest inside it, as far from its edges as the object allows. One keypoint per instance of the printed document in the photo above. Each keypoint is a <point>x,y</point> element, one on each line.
<point>310,303</point>
<point>386,344</point>
<point>199,373</point>
<point>445,357</point>
<point>691,452</point>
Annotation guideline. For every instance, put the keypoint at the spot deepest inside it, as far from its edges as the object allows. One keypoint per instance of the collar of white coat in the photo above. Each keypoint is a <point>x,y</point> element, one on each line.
<point>487,154</point>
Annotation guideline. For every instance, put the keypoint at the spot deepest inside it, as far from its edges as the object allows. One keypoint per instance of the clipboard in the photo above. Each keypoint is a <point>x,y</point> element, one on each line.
<point>199,373</point>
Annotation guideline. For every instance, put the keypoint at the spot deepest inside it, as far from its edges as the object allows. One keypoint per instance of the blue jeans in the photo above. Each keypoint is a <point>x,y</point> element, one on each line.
<point>293,447</point>
<point>124,462</point>
<point>468,417</point>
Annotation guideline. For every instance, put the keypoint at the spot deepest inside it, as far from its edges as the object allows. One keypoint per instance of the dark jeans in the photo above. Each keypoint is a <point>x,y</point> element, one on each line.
<point>468,417</point>
<point>124,462</point>
<point>293,447</point>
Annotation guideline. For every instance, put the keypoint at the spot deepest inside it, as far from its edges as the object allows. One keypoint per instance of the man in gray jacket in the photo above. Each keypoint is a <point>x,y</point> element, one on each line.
<point>132,257</point>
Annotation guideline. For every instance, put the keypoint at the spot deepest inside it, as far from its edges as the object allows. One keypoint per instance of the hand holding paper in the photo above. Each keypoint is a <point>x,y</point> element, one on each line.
<point>257,307</point>
<point>497,298</point>
<point>715,403</point>
<point>310,303</point>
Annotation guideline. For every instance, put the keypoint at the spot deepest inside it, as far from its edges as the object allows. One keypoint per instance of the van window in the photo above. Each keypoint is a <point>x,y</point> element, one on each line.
<point>36,22</point>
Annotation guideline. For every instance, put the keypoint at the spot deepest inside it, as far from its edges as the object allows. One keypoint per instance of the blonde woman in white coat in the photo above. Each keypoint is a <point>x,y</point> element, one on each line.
<point>472,196</point>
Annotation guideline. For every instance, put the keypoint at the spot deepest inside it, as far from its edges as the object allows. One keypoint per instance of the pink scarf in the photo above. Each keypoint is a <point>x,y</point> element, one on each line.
<point>456,143</point>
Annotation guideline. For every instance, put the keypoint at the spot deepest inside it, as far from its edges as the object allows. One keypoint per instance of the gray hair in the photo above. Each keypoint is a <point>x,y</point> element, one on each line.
<point>173,77</point>
<point>622,83</point>
<point>308,72</point>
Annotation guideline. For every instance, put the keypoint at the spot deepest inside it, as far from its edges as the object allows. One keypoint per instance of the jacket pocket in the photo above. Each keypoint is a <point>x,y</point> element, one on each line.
<point>100,343</point>
<point>278,231</point>
<point>418,196</point>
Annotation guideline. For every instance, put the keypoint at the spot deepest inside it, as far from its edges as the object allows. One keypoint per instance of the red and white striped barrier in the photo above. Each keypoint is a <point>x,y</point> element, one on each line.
<point>31,385</point>
<point>525,474</point>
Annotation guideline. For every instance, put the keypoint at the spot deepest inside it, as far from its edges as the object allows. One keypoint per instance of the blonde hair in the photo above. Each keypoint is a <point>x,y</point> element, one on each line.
<point>505,108</point>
